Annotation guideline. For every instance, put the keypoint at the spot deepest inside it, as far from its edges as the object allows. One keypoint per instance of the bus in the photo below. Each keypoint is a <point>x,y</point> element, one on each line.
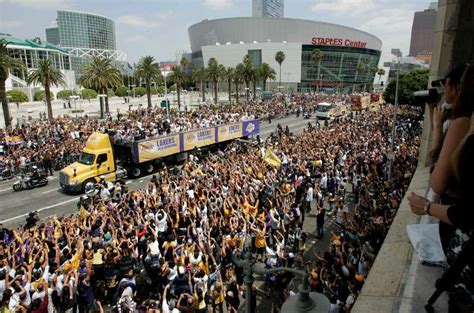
<point>375,99</point>
<point>325,110</point>
<point>359,103</point>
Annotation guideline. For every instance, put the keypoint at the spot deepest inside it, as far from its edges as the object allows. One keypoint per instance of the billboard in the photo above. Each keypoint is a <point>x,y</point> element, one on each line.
<point>157,148</point>
<point>199,138</point>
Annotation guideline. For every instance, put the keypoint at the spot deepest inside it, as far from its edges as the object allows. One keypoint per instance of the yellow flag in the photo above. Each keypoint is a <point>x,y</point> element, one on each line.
<point>83,212</point>
<point>271,158</point>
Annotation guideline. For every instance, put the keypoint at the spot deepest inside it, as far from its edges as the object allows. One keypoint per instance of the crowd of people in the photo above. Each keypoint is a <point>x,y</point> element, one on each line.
<point>43,142</point>
<point>171,246</point>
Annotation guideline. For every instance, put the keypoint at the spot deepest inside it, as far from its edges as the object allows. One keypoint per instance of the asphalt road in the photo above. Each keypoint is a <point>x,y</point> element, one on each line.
<point>51,199</point>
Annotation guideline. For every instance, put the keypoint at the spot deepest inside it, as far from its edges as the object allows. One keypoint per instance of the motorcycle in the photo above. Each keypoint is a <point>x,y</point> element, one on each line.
<point>26,182</point>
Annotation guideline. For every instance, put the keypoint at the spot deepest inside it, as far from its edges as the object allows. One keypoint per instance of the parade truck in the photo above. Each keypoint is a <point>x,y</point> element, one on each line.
<point>105,157</point>
<point>325,110</point>
<point>359,103</point>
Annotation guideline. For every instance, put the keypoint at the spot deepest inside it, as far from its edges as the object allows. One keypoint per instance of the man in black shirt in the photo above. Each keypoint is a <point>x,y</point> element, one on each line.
<point>320,215</point>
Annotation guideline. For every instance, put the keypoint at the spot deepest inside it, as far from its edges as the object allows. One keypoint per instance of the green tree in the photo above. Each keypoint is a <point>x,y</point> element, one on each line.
<point>199,76</point>
<point>214,73</point>
<point>150,71</point>
<point>177,76</point>
<point>122,91</point>
<point>266,73</point>
<point>46,75</point>
<point>238,79</point>
<point>380,72</point>
<point>88,94</point>
<point>280,58</point>
<point>229,77</point>
<point>248,73</point>
<point>408,83</point>
<point>7,64</point>
<point>100,74</point>
<point>17,96</point>
<point>64,94</point>
<point>154,90</point>
<point>40,95</point>
<point>110,93</point>
<point>140,91</point>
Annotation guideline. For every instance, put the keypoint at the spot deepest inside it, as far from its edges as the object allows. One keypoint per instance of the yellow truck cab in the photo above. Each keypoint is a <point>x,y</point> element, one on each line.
<point>96,160</point>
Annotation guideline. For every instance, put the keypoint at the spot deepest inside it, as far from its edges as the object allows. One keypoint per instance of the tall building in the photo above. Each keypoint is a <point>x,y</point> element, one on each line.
<point>85,35</point>
<point>268,8</point>
<point>422,32</point>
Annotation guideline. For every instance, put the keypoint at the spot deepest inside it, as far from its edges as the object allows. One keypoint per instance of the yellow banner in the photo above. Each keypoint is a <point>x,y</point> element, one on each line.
<point>199,138</point>
<point>13,140</point>
<point>157,148</point>
<point>229,132</point>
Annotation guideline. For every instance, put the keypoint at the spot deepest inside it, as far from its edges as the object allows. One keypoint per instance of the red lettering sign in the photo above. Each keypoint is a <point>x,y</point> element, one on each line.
<point>328,41</point>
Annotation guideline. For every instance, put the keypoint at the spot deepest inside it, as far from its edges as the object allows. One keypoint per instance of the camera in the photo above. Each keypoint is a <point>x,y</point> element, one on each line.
<point>429,96</point>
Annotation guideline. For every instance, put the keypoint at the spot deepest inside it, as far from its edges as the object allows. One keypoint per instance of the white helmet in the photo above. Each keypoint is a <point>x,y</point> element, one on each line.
<point>35,167</point>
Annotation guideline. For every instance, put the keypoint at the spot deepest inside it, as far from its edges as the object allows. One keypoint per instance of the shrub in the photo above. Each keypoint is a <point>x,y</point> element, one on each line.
<point>88,94</point>
<point>17,96</point>
<point>40,95</point>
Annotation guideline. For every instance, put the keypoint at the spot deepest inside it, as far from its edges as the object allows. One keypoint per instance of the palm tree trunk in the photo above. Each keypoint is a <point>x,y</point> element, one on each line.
<point>279,84</point>
<point>178,91</point>
<point>215,91</point>
<point>107,110</point>
<point>247,89</point>
<point>230,91</point>
<point>148,94</point>
<point>48,100</point>
<point>254,90</point>
<point>101,103</point>
<point>237,85</point>
<point>5,108</point>
<point>265,85</point>
<point>203,91</point>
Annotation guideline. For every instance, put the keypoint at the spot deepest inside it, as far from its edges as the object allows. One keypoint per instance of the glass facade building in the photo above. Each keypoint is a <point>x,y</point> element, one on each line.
<point>268,8</point>
<point>338,67</point>
<point>84,30</point>
<point>52,35</point>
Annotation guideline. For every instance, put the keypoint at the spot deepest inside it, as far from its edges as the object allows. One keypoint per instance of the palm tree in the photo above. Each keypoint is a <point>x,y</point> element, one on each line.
<point>247,73</point>
<point>178,76</point>
<point>148,70</point>
<point>238,78</point>
<point>199,76</point>
<point>380,72</point>
<point>100,74</point>
<point>255,80</point>
<point>229,74</point>
<point>214,73</point>
<point>316,57</point>
<point>7,63</point>
<point>46,75</point>
<point>266,73</point>
<point>280,58</point>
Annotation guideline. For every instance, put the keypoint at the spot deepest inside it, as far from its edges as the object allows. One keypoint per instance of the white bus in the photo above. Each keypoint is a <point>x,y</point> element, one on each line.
<point>326,110</point>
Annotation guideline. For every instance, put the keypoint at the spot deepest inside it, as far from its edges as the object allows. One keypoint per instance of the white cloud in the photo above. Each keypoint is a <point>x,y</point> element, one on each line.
<point>219,4</point>
<point>41,4</point>
<point>137,21</point>
<point>11,24</point>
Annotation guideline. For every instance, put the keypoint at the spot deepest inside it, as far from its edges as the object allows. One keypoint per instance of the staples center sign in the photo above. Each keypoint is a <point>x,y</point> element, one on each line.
<point>324,41</point>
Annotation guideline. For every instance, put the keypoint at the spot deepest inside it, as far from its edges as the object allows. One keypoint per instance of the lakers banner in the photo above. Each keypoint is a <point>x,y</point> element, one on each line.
<point>229,132</point>
<point>250,128</point>
<point>157,148</point>
<point>199,138</point>
<point>13,140</point>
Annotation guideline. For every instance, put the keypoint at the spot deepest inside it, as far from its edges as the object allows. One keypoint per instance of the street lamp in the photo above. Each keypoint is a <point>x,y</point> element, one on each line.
<point>306,301</point>
<point>74,98</point>
<point>398,55</point>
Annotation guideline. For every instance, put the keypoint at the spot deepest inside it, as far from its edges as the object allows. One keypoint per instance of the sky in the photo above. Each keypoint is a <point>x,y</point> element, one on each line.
<point>159,27</point>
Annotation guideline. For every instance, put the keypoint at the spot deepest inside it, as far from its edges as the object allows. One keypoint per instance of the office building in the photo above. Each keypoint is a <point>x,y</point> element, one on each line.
<point>348,56</point>
<point>268,8</point>
<point>422,32</point>
<point>85,35</point>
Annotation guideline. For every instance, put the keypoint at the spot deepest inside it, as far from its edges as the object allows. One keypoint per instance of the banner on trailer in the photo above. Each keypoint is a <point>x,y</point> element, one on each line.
<point>250,128</point>
<point>157,148</point>
<point>199,138</point>
<point>229,132</point>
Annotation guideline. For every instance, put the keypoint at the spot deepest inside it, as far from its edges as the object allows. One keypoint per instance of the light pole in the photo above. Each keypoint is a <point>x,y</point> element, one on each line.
<point>74,98</point>
<point>398,54</point>
<point>306,301</point>
<point>102,99</point>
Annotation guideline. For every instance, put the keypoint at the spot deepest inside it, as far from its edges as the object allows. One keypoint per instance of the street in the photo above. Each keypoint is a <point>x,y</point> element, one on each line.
<point>51,199</point>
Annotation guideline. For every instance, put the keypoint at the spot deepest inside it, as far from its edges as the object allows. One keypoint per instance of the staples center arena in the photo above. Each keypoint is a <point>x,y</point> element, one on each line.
<point>348,57</point>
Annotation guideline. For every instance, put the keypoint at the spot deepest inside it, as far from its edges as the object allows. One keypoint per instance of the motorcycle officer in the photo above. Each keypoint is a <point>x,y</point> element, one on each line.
<point>35,176</point>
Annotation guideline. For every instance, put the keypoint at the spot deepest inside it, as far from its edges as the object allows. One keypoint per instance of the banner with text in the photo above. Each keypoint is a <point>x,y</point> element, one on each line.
<point>250,128</point>
<point>199,138</point>
<point>157,148</point>
<point>229,132</point>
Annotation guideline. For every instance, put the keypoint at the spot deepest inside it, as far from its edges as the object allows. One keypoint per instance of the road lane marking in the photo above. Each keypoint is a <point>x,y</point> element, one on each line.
<point>48,191</point>
<point>39,210</point>
<point>2,190</point>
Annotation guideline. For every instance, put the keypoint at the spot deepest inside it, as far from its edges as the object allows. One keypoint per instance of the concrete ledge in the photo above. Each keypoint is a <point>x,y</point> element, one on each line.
<point>397,281</point>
